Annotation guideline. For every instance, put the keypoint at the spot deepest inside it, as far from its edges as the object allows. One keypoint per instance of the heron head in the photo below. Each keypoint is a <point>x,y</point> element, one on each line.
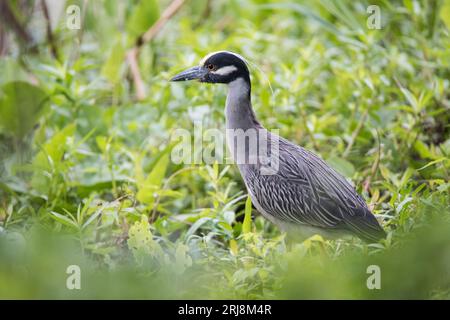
<point>217,67</point>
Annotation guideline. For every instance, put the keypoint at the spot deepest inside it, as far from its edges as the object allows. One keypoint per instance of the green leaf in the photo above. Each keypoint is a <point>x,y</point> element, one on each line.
<point>93,217</point>
<point>234,248</point>
<point>11,70</point>
<point>341,165</point>
<point>153,182</point>
<point>144,15</point>
<point>412,100</point>
<point>445,13</point>
<point>63,220</point>
<point>247,224</point>
<point>49,158</point>
<point>423,150</point>
<point>102,142</point>
<point>54,149</point>
<point>21,104</point>
<point>111,69</point>
<point>433,162</point>
<point>196,226</point>
<point>406,176</point>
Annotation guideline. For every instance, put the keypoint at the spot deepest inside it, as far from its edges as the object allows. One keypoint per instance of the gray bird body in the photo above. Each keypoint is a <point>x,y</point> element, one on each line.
<point>304,196</point>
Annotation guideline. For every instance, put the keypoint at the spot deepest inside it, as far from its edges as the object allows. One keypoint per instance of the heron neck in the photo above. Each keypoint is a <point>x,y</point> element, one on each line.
<point>238,109</point>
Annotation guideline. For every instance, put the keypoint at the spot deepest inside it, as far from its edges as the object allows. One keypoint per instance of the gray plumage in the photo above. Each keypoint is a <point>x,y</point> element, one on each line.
<point>305,195</point>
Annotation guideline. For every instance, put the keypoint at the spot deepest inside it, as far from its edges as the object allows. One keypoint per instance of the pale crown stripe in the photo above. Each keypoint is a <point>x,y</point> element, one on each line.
<point>202,62</point>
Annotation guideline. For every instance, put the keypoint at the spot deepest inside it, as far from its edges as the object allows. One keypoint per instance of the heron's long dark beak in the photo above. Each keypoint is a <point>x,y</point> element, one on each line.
<point>191,74</point>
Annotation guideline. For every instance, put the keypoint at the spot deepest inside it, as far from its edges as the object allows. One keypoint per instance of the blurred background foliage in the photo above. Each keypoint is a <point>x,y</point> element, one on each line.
<point>86,117</point>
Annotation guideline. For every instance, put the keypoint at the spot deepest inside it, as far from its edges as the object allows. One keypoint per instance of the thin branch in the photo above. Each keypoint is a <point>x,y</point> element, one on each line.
<point>83,16</point>
<point>158,25</point>
<point>75,52</point>
<point>133,54</point>
<point>132,57</point>
<point>9,19</point>
<point>3,41</point>
<point>50,38</point>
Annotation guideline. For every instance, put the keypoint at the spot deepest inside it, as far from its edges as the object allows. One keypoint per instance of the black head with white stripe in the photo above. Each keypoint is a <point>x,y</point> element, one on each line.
<point>217,67</point>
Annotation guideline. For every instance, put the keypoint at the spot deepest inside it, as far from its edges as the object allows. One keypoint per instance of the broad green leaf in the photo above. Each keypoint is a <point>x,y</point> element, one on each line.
<point>49,158</point>
<point>10,71</point>
<point>152,184</point>
<point>341,165</point>
<point>111,69</point>
<point>53,150</point>
<point>226,226</point>
<point>21,104</point>
<point>445,13</point>
<point>423,150</point>
<point>102,143</point>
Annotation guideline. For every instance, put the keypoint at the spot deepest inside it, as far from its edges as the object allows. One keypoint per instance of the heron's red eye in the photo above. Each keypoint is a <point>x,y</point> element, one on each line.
<point>210,66</point>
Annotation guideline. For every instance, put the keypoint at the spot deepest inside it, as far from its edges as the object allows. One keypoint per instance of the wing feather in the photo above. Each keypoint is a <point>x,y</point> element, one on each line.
<point>308,191</point>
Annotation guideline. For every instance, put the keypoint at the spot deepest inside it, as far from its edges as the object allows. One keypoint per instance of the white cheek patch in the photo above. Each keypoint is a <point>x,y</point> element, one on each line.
<point>224,70</point>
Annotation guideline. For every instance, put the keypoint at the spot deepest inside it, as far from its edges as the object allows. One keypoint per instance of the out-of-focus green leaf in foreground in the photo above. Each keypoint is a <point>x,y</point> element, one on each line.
<point>301,274</point>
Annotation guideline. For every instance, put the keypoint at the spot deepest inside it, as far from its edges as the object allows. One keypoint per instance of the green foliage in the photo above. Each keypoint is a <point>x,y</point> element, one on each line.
<point>86,175</point>
<point>143,16</point>
<point>445,13</point>
<point>112,67</point>
<point>141,242</point>
<point>149,186</point>
<point>49,162</point>
<point>247,224</point>
<point>21,104</point>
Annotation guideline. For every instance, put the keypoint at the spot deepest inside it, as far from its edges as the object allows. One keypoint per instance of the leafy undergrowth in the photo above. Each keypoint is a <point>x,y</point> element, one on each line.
<point>87,177</point>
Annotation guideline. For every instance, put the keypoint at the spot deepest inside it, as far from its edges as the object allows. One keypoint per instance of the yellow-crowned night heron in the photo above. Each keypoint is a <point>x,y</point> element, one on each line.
<point>304,195</point>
